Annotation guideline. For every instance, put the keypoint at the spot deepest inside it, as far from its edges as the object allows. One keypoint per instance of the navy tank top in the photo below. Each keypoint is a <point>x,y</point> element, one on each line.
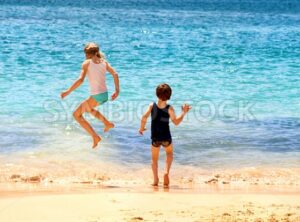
<point>160,130</point>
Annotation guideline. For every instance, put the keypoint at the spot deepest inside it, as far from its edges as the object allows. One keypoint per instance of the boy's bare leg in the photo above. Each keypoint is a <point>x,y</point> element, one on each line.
<point>85,106</point>
<point>98,115</point>
<point>169,160</point>
<point>155,155</point>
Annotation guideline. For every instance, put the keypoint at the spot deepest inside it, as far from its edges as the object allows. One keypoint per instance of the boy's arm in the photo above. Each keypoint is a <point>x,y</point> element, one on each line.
<point>79,81</point>
<point>116,80</point>
<point>144,119</point>
<point>177,119</point>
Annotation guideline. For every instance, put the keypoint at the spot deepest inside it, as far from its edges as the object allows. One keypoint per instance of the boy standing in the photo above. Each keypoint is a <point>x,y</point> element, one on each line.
<point>161,112</point>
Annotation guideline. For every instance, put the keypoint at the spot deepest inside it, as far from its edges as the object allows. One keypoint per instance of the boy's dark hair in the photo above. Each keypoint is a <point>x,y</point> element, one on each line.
<point>163,92</point>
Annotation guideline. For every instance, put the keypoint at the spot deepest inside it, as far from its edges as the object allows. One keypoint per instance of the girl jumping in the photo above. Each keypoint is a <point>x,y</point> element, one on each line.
<point>95,67</point>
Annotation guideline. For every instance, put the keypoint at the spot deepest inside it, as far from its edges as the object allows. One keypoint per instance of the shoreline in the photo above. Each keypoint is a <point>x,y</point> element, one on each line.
<point>11,189</point>
<point>78,176</point>
<point>39,190</point>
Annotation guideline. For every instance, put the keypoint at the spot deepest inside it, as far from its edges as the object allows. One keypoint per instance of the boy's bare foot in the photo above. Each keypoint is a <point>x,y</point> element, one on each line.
<point>108,127</point>
<point>96,140</point>
<point>166,180</point>
<point>155,183</point>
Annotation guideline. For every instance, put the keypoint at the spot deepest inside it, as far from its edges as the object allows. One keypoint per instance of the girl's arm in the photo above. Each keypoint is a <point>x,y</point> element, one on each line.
<point>177,120</point>
<point>79,81</point>
<point>116,80</point>
<point>144,119</point>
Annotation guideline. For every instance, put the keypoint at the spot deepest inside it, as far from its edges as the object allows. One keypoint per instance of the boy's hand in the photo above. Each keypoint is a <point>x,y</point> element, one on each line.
<point>64,94</point>
<point>141,131</point>
<point>115,95</point>
<point>185,108</point>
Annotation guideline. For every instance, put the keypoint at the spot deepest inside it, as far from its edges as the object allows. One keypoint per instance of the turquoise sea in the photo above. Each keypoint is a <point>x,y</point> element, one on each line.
<point>236,62</point>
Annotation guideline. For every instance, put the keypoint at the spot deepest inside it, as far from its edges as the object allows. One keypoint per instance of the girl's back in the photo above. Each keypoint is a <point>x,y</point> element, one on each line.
<point>96,76</point>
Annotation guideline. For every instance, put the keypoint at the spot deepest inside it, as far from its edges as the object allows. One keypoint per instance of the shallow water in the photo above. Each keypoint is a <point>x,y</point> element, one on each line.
<point>236,62</point>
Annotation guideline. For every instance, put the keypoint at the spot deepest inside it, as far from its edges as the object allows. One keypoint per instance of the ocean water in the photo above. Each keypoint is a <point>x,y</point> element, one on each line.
<point>236,62</point>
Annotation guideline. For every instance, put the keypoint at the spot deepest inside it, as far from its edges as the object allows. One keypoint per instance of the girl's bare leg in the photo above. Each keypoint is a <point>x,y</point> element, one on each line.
<point>98,115</point>
<point>169,160</point>
<point>155,155</point>
<point>86,106</point>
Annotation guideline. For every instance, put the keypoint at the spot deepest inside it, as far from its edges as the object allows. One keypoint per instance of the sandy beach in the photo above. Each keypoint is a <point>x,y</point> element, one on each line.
<point>110,206</point>
<point>115,193</point>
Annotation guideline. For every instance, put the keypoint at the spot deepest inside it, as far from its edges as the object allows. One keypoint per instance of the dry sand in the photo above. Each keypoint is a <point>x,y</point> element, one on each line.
<point>108,205</point>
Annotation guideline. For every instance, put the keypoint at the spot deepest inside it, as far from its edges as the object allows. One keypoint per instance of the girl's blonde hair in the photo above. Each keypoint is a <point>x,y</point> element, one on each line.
<point>93,49</point>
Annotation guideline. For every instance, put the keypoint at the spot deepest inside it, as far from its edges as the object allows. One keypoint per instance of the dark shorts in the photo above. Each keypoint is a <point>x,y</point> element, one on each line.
<point>164,143</point>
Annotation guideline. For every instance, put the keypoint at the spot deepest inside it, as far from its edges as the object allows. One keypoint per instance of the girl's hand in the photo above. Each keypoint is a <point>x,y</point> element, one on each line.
<point>185,108</point>
<point>64,94</point>
<point>115,95</point>
<point>141,131</point>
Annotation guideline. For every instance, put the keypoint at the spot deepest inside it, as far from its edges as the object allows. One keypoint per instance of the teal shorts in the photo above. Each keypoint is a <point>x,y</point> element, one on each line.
<point>101,97</point>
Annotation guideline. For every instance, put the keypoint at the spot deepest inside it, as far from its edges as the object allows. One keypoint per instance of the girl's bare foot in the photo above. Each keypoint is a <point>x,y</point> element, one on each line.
<point>108,127</point>
<point>96,140</point>
<point>166,180</point>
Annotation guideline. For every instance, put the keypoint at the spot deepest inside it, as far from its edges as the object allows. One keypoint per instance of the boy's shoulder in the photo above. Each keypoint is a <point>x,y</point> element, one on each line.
<point>151,105</point>
<point>169,106</point>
